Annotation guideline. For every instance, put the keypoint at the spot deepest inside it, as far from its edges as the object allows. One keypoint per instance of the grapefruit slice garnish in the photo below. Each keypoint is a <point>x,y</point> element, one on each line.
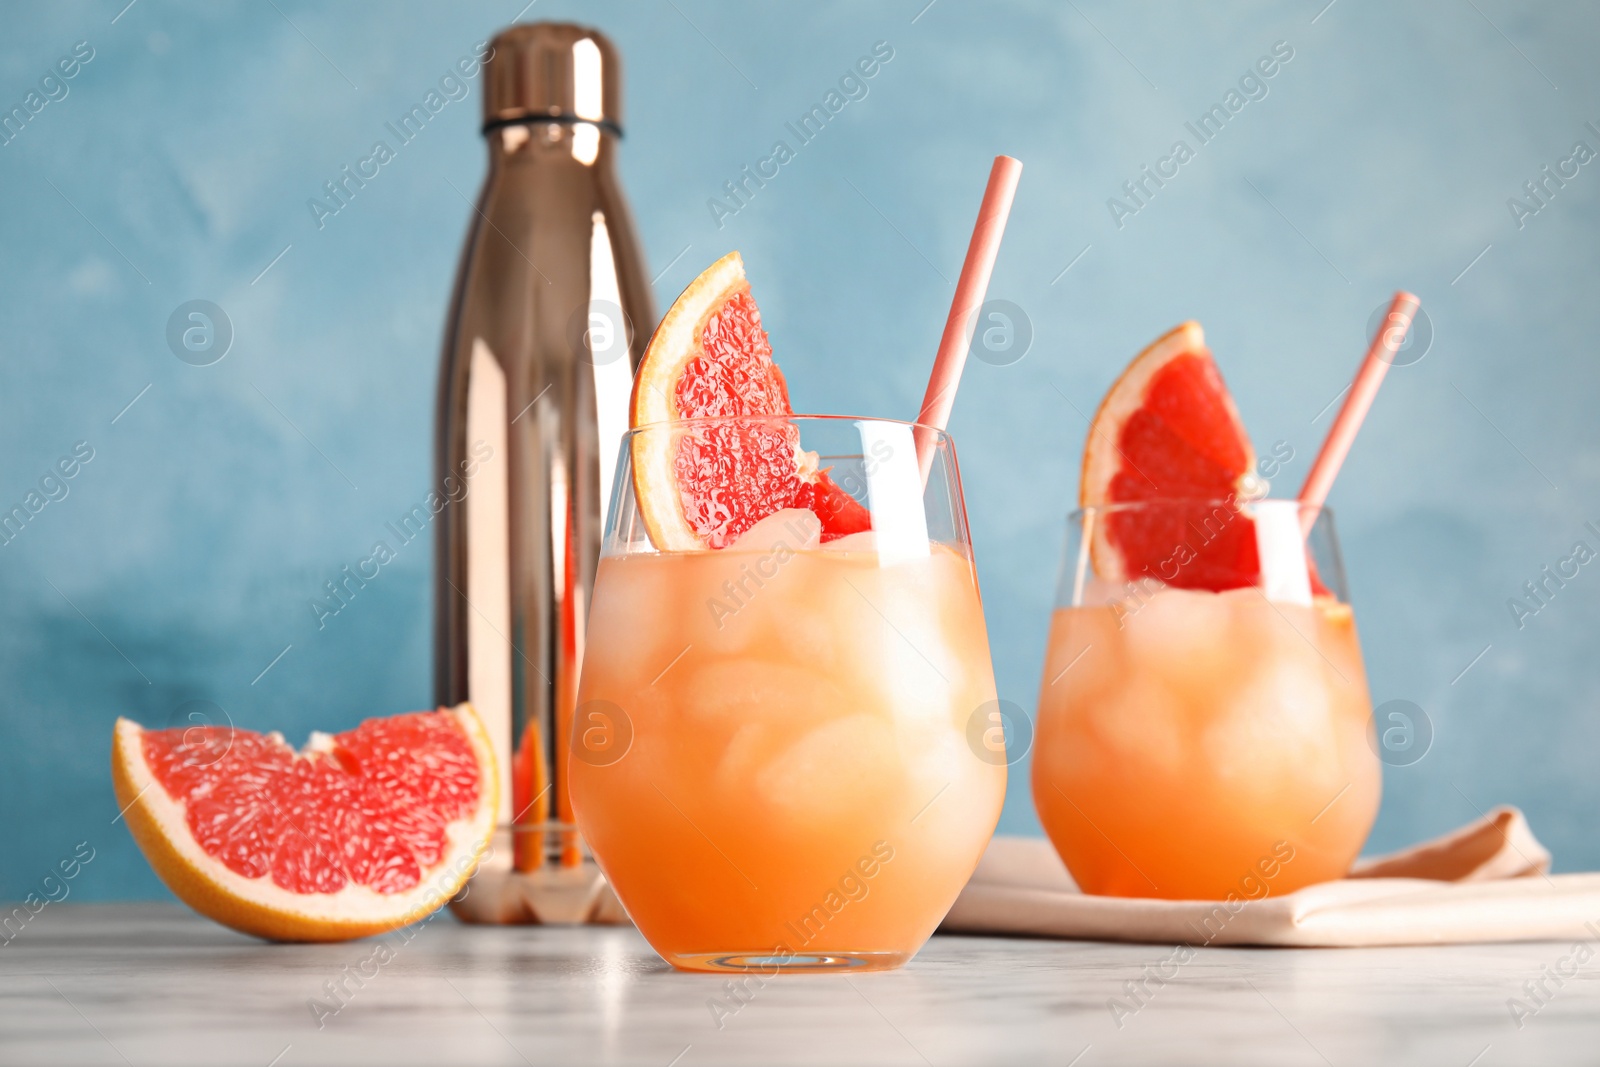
<point>702,486</point>
<point>358,833</point>
<point>1168,430</point>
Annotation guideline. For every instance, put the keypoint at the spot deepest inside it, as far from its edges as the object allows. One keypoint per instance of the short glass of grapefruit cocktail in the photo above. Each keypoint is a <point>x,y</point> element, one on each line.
<point>1204,727</point>
<point>770,757</point>
<point>1194,743</point>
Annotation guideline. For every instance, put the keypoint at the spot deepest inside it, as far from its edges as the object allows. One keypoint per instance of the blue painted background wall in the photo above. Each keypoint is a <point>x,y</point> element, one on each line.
<point>178,166</point>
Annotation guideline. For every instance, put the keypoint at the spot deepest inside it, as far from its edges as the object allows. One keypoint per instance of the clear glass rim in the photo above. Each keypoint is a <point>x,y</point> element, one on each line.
<point>1167,502</point>
<point>725,420</point>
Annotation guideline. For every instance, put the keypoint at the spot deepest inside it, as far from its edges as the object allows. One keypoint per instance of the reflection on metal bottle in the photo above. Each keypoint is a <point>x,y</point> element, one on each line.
<point>551,313</point>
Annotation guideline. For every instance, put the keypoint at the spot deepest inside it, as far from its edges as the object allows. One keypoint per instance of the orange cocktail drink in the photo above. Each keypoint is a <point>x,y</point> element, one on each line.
<point>1204,730</point>
<point>1193,744</point>
<point>771,757</point>
<point>780,754</point>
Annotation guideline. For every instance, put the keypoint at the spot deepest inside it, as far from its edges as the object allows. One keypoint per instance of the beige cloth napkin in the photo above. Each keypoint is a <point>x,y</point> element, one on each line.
<point>1487,881</point>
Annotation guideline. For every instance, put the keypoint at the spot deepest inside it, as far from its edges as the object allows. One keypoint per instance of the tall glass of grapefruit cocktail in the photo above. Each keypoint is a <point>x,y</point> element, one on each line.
<point>770,758</point>
<point>786,658</point>
<point>1204,727</point>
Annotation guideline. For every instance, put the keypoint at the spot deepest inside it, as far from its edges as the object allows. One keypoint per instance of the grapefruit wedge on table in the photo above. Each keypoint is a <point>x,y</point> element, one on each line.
<point>358,833</point>
<point>1168,430</point>
<point>701,486</point>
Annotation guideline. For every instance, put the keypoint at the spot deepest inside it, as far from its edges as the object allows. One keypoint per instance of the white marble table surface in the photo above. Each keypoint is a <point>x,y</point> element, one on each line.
<point>155,984</point>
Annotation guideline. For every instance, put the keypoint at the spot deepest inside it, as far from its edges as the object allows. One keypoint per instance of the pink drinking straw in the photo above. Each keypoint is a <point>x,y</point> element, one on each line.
<point>1391,335</point>
<point>971,288</point>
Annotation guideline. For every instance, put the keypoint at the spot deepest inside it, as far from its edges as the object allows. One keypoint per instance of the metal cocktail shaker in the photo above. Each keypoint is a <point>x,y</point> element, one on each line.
<point>551,313</point>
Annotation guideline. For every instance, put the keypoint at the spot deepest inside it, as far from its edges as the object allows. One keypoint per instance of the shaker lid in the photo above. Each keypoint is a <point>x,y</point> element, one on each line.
<point>553,71</point>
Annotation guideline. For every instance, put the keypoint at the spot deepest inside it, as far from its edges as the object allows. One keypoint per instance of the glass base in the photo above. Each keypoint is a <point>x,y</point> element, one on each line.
<point>765,963</point>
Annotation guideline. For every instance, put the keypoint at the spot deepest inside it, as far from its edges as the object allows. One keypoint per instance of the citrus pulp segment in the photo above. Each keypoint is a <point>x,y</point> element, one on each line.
<point>1168,431</point>
<point>358,833</point>
<point>703,485</point>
